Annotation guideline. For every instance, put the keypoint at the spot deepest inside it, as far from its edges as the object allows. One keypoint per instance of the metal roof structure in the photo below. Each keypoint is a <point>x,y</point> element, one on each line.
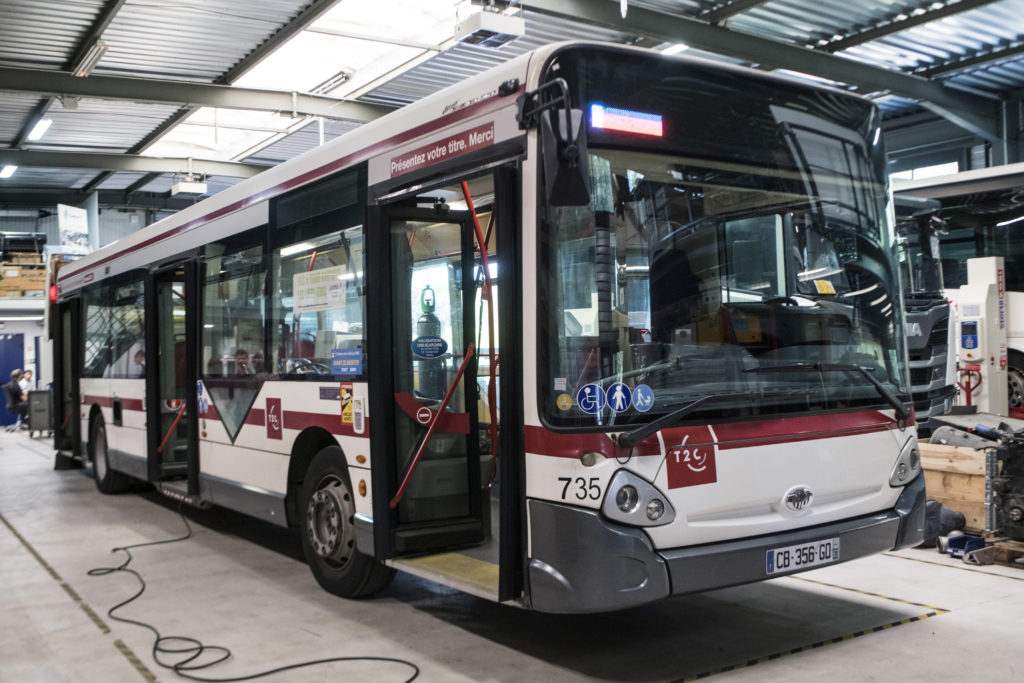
<point>224,88</point>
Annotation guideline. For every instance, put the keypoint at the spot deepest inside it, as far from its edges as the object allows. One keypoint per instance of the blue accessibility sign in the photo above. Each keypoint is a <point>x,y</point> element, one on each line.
<point>643,397</point>
<point>619,397</point>
<point>590,399</point>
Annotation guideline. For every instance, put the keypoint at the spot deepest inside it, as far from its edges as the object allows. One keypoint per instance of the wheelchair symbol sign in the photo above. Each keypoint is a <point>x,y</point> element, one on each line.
<point>590,398</point>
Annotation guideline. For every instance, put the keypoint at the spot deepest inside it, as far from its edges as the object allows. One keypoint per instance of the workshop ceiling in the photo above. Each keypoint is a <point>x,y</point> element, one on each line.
<point>224,88</point>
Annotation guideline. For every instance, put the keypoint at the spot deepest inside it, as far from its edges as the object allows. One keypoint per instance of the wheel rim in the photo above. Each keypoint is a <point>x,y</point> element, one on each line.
<point>329,522</point>
<point>100,454</point>
<point>1016,381</point>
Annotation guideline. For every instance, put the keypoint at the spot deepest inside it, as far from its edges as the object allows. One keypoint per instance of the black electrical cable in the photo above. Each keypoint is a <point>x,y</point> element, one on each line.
<point>192,649</point>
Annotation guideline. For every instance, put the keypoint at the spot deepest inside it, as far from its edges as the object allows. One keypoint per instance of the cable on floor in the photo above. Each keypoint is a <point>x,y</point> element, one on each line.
<point>183,654</point>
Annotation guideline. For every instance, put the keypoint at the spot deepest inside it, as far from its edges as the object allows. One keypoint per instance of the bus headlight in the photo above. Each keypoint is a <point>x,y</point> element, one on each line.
<point>907,466</point>
<point>633,500</point>
<point>626,499</point>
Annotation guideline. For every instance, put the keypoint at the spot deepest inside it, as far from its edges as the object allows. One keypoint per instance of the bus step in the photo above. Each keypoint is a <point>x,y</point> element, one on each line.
<point>172,469</point>
<point>179,491</point>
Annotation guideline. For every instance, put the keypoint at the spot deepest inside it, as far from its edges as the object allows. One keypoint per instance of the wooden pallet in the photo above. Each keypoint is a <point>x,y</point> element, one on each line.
<point>1007,552</point>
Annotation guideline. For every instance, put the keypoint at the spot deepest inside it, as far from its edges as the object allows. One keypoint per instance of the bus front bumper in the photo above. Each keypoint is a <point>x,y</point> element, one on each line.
<point>585,563</point>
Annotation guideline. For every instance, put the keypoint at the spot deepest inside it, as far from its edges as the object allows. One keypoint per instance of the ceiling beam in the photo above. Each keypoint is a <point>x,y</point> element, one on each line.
<point>971,112</point>
<point>126,162</point>
<point>57,83</point>
<point>894,25</point>
<point>107,198</point>
<point>978,60</point>
<point>720,14</point>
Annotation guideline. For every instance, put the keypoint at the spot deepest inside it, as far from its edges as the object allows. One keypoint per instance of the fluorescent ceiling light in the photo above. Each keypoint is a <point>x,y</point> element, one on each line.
<point>675,49</point>
<point>8,171</point>
<point>39,130</point>
<point>1009,222</point>
<point>91,59</point>
<point>365,40</point>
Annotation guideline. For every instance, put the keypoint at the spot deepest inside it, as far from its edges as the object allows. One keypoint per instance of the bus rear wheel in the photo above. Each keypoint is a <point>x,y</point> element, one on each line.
<point>107,480</point>
<point>328,531</point>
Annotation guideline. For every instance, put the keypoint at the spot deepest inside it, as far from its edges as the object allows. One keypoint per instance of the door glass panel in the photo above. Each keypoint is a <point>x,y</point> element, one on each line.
<point>171,373</point>
<point>433,324</point>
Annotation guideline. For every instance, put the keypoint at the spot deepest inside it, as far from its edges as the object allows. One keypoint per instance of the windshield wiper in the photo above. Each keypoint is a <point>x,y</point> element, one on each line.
<point>630,439</point>
<point>892,399</point>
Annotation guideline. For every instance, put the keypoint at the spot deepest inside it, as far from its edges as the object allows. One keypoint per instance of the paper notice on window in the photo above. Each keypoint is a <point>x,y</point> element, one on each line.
<point>319,290</point>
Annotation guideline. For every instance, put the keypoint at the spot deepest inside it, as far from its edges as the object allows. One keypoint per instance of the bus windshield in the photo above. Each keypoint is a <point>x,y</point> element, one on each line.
<point>739,248</point>
<point>920,261</point>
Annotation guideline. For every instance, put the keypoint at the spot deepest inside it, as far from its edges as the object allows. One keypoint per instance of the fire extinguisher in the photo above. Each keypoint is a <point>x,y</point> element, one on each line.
<point>431,370</point>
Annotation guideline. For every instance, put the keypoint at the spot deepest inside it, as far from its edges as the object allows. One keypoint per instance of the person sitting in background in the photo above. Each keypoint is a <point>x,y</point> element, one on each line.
<point>242,364</point>
<point>15,399</point>
<point>140,363</point>
<point>26,381</point>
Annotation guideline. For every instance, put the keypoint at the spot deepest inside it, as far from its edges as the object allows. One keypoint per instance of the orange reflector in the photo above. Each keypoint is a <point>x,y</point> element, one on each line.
<point>362,488</point>
<point>360,459</point>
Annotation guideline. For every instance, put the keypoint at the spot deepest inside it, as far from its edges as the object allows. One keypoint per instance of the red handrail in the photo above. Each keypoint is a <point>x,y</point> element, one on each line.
<point>430,429</point>
<point>167,437</point>
<point>492,390</point>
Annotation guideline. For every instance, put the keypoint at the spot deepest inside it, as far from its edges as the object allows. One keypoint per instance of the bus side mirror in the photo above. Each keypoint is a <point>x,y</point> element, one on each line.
<point>566,178</point>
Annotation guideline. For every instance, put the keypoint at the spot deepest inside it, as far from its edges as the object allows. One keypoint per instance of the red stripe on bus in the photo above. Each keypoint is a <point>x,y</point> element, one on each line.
<point>256,416</point>
<point>793,429</point>
<point>561,445</point>
<point>485,106</point>
<point>299,420</point>
<point>135,404</point>
<point>730,435</point>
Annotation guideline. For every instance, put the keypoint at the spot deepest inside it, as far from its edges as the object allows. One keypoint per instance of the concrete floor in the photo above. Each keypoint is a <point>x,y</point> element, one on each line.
<point>912,615</point>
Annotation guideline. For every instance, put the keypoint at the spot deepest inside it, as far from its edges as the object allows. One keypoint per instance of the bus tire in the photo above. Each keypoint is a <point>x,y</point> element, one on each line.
<point>107,480</point>
<point>328,532</point>
<point>1015,379</point>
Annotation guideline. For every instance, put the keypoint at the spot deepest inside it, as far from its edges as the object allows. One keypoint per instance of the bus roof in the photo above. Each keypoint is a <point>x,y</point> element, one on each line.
<point>466,100</point>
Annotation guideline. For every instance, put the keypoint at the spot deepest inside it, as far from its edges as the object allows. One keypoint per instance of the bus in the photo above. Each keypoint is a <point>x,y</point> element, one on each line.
<point>589,330</point>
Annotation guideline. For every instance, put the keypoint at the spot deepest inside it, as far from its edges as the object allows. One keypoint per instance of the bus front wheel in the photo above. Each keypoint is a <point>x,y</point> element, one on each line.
<point>328,532</point>
<point>1015,377</point>
<point>107,480</point>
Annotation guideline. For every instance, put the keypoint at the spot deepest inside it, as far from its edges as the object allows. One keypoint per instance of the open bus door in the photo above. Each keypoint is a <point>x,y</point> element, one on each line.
<point>173,444</point>
<point>438,502</point>
<point>66,327</point>
<point>447,477</point>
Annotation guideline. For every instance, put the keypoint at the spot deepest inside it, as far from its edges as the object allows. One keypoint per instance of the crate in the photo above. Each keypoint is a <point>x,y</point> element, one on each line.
<point>22,278</point>
<point>955,477</point>
<point>958,546</point>
<point>25,258</point>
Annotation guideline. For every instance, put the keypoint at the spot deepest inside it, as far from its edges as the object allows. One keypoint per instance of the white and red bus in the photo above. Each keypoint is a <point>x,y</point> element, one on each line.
<point>594,328</point>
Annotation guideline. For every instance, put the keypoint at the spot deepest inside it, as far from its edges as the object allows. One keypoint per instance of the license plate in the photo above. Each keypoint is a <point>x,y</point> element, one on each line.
<point>793,557</point>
